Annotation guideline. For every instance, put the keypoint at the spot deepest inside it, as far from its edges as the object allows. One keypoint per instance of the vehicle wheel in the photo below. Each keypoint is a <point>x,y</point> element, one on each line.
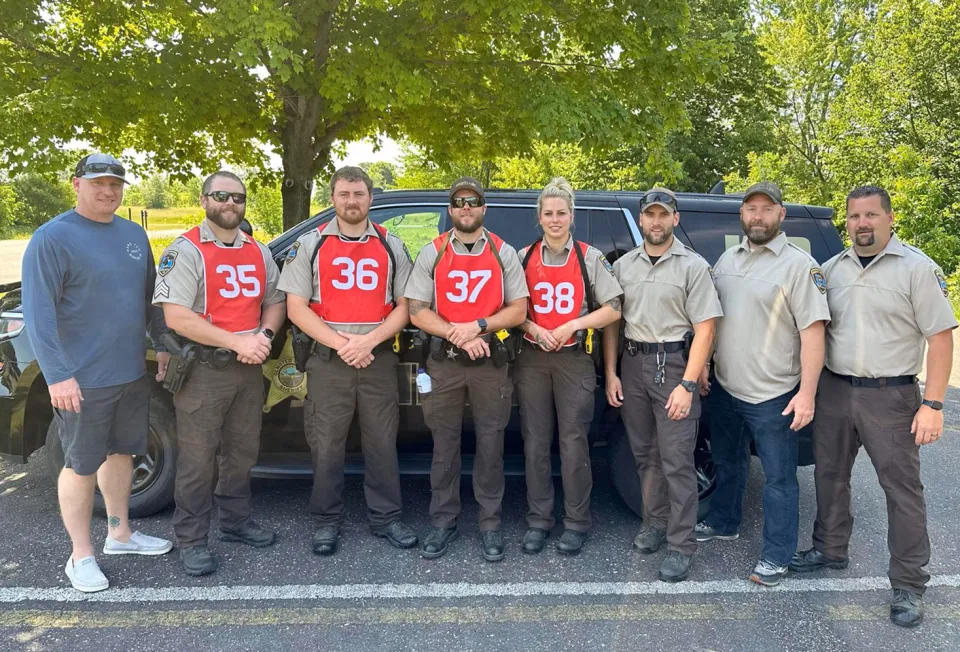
<point>153,473</point>
<point>624,470</point>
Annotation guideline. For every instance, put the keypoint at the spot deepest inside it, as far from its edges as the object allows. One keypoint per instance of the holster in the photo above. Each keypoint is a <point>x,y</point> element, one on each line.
<point>687,343</point>
<point>182,360</point>
<point>302,348</point>
<point>420,347</point>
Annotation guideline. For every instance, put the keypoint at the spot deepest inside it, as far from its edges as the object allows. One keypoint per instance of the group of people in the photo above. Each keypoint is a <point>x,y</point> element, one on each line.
<point>775,324</point>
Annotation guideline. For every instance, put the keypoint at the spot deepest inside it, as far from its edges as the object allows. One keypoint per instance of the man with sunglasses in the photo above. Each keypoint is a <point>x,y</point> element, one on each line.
<point>218,289</point>
<point>87,281</point>
<point>669,296</point>
<point>466,286</point>
<point>769,353</point>
<point>344,282</point>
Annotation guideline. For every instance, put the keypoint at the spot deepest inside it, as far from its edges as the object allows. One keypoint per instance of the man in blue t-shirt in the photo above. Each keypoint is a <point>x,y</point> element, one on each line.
<point>88,279</point>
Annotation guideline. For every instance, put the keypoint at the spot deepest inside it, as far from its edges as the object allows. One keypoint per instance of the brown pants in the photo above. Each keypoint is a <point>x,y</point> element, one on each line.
<point>216,409</point>
<point>662,447</point>
<point>490,393</point>
<point>880,420</point>
<point>335,391</point>
<point>556,388</point>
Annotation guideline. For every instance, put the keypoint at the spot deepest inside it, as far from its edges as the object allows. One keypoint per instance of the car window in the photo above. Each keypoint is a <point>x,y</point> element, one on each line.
<point>517,225</point>
<point>415,225</point>
<point>609,233</point>
<point>711,234</point>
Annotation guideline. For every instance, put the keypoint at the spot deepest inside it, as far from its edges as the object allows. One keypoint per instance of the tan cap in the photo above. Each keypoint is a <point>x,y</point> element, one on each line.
<point>659,196</point>
<point>466,183</point>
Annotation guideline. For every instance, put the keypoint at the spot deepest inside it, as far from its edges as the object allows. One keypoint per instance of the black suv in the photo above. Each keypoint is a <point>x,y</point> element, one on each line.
<point>709,223</point>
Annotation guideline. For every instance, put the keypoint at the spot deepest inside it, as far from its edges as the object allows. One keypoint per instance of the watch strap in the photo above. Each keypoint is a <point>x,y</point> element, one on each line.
<point>934,405</point>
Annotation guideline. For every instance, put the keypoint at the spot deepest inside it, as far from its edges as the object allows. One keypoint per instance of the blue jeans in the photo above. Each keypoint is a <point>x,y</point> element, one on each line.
<point>732,425</point>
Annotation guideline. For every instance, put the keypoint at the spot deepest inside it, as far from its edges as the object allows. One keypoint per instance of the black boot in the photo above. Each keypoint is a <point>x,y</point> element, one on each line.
<point>675,566</point>
<point>437,542</point>
<point>400,535</point>
<point>649,539</point>
<point>906,609</point>
<point>571,542</point>
<point>807,561</point>
<point>250,534</point>
<point>325,540</point>
<point>534,540</point>
<point>197,560</point>
<point>492,545</point>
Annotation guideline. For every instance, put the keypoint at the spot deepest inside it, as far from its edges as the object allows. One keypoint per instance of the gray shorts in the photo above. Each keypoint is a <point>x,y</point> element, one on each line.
<point>112,420</point>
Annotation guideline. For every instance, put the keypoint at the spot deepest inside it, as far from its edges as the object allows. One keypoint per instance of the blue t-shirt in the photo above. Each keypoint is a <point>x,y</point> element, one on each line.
<point>87,290</point>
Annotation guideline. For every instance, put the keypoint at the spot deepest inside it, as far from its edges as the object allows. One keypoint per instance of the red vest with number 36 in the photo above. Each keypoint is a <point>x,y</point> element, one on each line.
<point>468,286</point>
<point>556,291</point>
<point>235,280</point>
<point>353,280</point>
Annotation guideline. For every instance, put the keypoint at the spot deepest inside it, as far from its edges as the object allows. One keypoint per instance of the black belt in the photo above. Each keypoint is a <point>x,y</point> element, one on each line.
<point>880,383</point>
<point>383,347</point>
<point>214,357</point>
<point>634,347</point>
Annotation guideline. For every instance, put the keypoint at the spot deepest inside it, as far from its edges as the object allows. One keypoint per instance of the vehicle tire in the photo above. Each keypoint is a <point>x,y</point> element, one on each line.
<point>623,468</point>
<point>153,473</point>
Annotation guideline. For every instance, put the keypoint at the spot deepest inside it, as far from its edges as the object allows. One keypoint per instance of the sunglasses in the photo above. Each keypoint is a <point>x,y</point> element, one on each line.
<point>460,202</point>
<point>222,196</point>
<point>658,198</point>
<point>101,168</point>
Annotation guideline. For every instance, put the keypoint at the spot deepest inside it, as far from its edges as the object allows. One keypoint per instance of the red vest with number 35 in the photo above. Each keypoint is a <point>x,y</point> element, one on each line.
<point>353,280</point>
<point>235,280</point>
<point>556,291</point>
<point>468,286</point>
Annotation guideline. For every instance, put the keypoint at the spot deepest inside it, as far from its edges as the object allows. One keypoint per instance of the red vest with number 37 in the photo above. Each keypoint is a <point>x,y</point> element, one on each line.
<point>468,286</point>
<point>235,280</point>
<point>556,291</point>
<point>353,280</point>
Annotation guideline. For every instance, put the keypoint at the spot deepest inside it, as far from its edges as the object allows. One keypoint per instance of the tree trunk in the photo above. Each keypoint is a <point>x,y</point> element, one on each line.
<point>298,172</point>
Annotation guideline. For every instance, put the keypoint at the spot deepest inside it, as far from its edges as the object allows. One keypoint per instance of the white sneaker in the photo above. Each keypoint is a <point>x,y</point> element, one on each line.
<point>85,575</point>
<point>139,544</point>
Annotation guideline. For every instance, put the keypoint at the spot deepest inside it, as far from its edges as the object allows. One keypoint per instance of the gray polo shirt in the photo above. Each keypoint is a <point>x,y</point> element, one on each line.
<point>662,302</point>
<point>599,272</point>
<point>300,274</point>
<point>183,283</point>
<point>883,314</point>
<point>420,286</point>
<point>769,294</point>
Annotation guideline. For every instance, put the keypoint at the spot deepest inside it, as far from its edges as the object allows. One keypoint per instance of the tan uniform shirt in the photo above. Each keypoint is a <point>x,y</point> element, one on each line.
<point>183,283</point>
<point>768,295</point>
<point>300,276</point>
<point>883,314</point>
<point>662,302</point>
<point>600,274</point>
<point>420,287</point>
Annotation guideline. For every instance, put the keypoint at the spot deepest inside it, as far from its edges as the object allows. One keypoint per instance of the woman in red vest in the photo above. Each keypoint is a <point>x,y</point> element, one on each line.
<point>573,293</point>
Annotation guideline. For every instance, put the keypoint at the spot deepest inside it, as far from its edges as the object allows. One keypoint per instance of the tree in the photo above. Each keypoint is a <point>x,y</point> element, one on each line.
<point>155,190</point>
<point>40,198</point>
<point>382,173</point>
<point>190,82</point>
<point>9,207</point>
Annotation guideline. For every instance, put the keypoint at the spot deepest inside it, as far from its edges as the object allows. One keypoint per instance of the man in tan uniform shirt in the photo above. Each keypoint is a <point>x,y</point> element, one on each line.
<point>354,368</point>
<point>668,296</point>
<point>769,353</point>
<point>887,300</point>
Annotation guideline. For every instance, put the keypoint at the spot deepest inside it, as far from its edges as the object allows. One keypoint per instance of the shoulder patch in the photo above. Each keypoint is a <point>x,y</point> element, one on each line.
<point>942,281</point>
<point>817,276</point>
<point>292,251</point>
<point>606,264</point>
<point>167,261</point>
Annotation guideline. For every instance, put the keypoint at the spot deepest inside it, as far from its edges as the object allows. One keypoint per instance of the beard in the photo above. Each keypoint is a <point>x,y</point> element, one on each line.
<point>865,239</point>
<point>353,214</point>
<point>464,227</point>
<point>658,239</point>
<point>759,233</point>
<point>228,220</point>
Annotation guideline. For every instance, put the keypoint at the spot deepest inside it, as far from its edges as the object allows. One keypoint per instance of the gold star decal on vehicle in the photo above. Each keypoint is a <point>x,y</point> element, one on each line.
<point>285,380</point>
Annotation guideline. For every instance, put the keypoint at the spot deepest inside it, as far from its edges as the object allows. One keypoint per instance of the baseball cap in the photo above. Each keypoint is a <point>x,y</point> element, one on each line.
<point>768,188</point>
<point>659,196</point>
<point>466,183</point>
<point>98,165</point>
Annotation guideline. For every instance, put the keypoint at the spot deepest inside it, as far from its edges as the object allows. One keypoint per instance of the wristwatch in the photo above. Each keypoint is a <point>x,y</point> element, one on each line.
<point>269,333</point>
<point>933,405</point>
<point>689,385</point>
<point>482,323</point>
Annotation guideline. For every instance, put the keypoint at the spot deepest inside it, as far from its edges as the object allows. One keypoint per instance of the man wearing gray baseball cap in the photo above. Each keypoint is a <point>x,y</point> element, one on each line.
<point>88,278</point>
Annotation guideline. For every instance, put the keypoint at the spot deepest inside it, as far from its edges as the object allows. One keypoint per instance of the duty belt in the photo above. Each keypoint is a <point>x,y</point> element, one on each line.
<point>326,353</point>
<point>876,383</point>
<point>633,347</point>
<point>214,357</point>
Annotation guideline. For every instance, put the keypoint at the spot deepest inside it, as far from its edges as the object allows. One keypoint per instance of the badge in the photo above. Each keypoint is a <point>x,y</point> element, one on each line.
<point>292,252</point>
<point>167,262</point>
<point>818,280</point>
<point>606,264</point>
<point>943,282</point>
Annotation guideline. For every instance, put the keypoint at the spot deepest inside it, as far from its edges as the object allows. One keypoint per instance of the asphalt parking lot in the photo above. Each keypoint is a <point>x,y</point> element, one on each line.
<point>371,596</point>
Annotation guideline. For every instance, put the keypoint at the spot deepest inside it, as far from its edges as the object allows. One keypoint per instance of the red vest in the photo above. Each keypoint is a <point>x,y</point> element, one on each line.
<point>353,280</point>
<point>235,280</point>
<point>467,286</point>
<point>556,291</point>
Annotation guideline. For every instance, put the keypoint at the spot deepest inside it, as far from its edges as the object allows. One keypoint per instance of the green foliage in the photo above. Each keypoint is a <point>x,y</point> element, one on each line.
<point>40,198</point>
<point>382,173</point>
<point>156,192</point>
<point>265,207</point>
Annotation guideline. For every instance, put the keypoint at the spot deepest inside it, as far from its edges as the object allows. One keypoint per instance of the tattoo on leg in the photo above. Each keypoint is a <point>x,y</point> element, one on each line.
<point>113,521</point>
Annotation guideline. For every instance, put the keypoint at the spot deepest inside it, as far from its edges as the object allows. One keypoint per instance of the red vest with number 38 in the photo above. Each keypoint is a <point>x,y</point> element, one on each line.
<point>235,280</point>
<point>468,286</point>
<point>556,291</point>
<point>353,280</point>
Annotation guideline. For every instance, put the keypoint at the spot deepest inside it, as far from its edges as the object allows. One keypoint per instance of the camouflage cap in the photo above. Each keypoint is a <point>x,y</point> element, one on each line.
<point>768,188</point>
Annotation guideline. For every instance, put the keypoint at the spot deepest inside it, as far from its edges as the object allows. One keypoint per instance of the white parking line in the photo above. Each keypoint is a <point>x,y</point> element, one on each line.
<point>447,590</point>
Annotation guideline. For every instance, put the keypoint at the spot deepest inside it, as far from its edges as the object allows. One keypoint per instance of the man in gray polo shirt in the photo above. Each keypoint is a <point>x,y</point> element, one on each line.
<point>87,287</point>
<point>769,353</point>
